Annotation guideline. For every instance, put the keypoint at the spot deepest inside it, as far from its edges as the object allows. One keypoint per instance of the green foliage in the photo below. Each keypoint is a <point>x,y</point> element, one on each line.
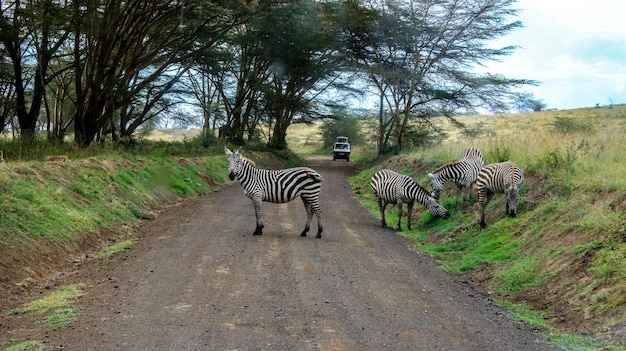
<point>566,125</point>
<point>498,153</point>
<point>417,136</point>
<point>343,126</point>
<point>476,131</point>
<point>557,159</point>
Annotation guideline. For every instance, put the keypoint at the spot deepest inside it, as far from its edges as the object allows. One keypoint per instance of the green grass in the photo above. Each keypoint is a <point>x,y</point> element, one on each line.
<point>56,309</point>
<point>526,314</point>
<point>26,346</point>
<point>115,248</point>
<point>58,202</point>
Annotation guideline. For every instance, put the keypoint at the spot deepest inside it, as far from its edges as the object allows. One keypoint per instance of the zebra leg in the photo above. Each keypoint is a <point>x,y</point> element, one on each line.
<point>410,210</point>
<point>400,216</point>
<point>484,196</point>
<point>459,190</point>
<point>259,213</point>
<point>468,189</point>
<point>309,217</point>
<point>318,213</point>
<point>381,206</point>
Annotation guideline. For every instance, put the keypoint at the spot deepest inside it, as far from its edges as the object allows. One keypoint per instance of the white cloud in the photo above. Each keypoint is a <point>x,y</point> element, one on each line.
<point>576,49</point>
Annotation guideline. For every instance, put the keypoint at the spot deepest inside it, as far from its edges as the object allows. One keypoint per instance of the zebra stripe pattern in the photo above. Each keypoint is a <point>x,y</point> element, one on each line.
<point>278,186</point>
<point>462,172</point>
<point>473,154</point>
<point>391,187</point>
<point>499,178</point>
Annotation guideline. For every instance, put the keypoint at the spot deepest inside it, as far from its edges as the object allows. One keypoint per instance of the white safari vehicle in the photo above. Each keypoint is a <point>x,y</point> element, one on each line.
<point>341,149</point>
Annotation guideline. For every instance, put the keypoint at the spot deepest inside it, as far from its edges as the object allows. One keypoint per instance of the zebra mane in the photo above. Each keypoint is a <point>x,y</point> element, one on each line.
<point>446,165</point>
<point>512,176</point>
<point>249,161</point>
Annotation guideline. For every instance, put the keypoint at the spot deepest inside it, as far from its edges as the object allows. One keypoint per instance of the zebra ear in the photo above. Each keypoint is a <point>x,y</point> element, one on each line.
<point>431,176</point>
<point>227,151</point>
<point>240,151</point>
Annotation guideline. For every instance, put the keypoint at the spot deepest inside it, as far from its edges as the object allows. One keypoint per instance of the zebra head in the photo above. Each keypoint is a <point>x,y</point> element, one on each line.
<point>235,160</point>
<point>436,208</point>
<point>436,184</point>
<point>512,193</point>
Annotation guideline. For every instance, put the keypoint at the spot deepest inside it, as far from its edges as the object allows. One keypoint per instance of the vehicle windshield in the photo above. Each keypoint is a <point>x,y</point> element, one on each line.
<point>342,146</point>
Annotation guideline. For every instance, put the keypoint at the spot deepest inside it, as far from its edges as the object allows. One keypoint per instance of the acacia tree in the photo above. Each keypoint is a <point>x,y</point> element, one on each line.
<point>7,89</point>
<point>420,55</point>
<point>32,33</point>
<point>123,48</point>
<point>301,43</point>
<point>240,81</point>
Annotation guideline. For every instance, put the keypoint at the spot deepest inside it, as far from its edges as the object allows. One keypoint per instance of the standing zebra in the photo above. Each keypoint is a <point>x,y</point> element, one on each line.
<point>278,186</point>
<point>499,178</point>
<point>463,172</point>
<point>391,187</point>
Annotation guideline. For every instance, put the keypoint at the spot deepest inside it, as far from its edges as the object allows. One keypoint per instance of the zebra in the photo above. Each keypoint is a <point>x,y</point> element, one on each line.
<point>463,172</point>
<point>278,186</point>
<point>391,187</point>
<point>499,178</point>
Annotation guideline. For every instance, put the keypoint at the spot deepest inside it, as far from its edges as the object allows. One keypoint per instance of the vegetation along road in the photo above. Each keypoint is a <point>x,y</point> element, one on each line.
<point>198,280</point>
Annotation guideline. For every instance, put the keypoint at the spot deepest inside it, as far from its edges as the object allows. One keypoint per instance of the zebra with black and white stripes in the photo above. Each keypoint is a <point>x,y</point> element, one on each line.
<point>278,186</point>
<point>462,172</point>
<point>391,187</point>
<point>499,178</point>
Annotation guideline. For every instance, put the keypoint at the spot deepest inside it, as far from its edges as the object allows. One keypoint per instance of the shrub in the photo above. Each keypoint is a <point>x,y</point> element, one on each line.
<point>569,125</point>
<point>499,153</point>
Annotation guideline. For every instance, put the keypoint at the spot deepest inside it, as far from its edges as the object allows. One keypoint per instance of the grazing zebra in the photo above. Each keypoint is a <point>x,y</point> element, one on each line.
<point>278,186</point>
<point>499,178</point>
<point>462,172</point>
<point>391,187</point>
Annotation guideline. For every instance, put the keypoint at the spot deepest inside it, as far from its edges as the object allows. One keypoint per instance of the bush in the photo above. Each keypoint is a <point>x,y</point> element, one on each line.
<point>569,125</point>
<point>345,126</point>
<point>499,153</point>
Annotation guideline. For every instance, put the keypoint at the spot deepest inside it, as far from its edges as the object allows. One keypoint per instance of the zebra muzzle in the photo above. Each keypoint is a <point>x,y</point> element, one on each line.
<point>231,175</point>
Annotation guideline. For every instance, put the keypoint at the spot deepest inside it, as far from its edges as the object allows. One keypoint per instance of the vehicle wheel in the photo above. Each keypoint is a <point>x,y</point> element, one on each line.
<point>348,159</point>
<point>334,158</point>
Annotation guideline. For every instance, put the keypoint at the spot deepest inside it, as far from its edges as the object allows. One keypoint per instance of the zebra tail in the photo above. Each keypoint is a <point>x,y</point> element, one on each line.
<point>317,178</point>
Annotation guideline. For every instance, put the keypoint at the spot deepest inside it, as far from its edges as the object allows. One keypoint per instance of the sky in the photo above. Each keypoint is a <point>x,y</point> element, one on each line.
<point>576,49</point>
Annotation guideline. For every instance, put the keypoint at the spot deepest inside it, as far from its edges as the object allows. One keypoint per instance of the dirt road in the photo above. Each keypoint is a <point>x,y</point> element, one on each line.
<point>198,280</point>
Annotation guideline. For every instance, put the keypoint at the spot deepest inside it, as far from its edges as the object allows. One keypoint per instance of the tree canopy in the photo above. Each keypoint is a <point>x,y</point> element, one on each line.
<point>105,69</point>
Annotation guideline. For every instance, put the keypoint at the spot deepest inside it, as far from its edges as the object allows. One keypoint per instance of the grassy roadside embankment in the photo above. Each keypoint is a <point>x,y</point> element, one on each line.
<point>561,263</point>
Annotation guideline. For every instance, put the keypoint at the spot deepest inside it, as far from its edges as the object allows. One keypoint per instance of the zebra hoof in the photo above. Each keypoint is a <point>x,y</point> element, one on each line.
<point>319,234</point>
<point>306,230</point>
